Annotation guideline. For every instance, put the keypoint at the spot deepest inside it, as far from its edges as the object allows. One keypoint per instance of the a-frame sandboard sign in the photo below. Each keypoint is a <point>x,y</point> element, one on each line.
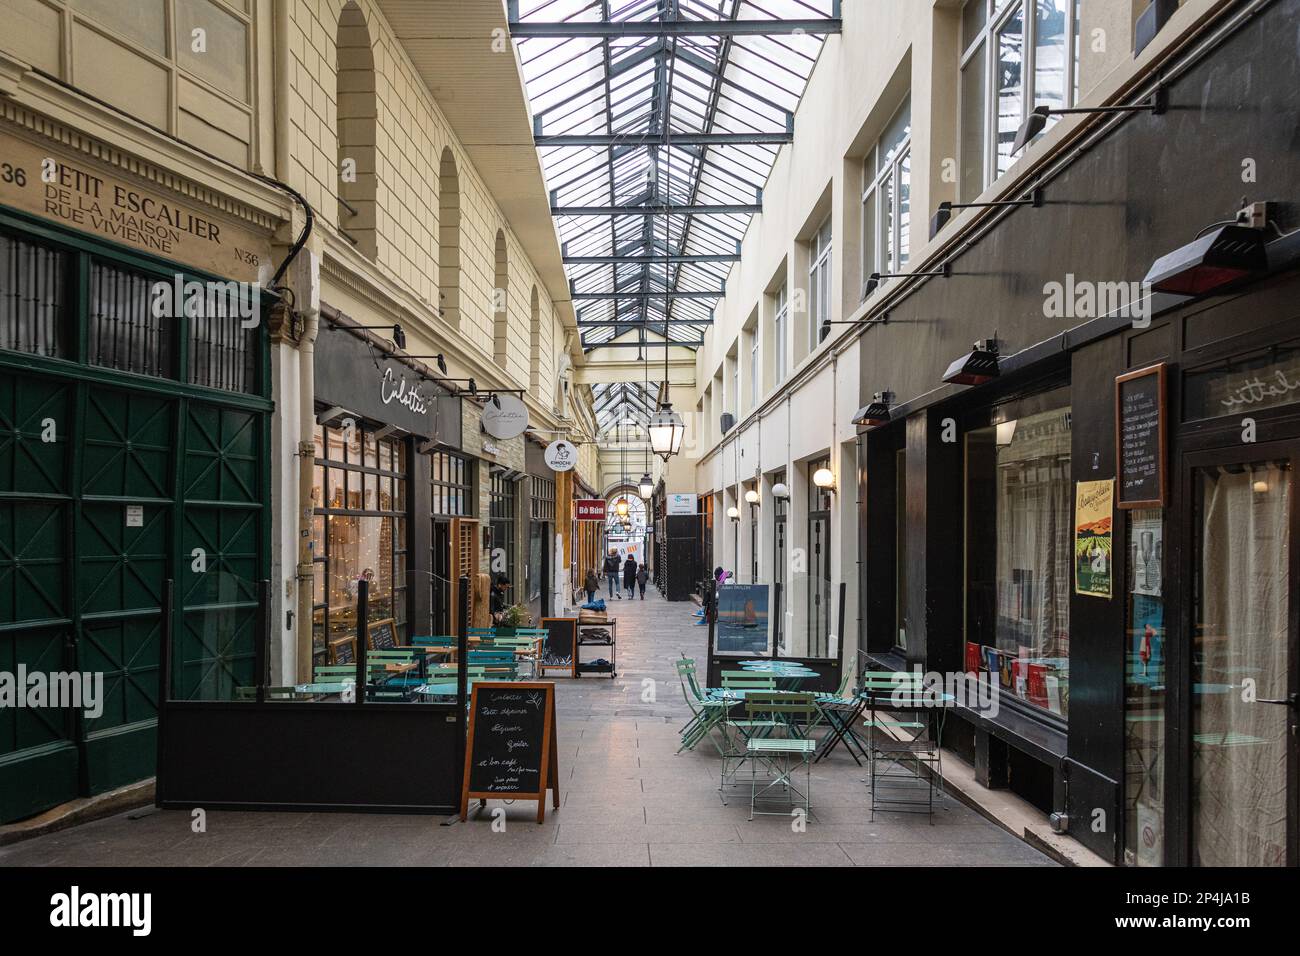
<point>511,750</point>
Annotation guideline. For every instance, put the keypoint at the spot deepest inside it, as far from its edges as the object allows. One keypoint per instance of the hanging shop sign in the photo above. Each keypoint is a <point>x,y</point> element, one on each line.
<point>1093,504</point>
<point>589,509</point>
<point>561,455</point>
<point>683,504</point>
<point>510,420</point>
<point>511,749</point>
<point>1140,437</point>
<point>92,197</point>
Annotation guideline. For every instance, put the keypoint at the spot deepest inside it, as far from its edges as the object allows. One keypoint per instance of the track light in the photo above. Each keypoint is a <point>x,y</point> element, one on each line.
<point>976,367</point>
<point>1036,121</point>
<point>1212,261</point>
<point>944,213</point>
<point>873,281</point>
<point>875,413</point>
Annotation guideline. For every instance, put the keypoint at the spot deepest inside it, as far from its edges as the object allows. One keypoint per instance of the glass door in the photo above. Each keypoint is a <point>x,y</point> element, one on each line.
<point>1243,659</point>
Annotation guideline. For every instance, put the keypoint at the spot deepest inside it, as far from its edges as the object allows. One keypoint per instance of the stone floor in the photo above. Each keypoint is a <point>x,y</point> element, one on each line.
<point>627,800</point>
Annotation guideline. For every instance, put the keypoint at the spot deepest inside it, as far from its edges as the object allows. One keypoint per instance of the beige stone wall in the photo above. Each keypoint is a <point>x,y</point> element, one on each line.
<point>411,134</point>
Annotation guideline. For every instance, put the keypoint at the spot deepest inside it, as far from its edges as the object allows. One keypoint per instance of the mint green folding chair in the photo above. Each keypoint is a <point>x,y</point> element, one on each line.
<point>783,751</point>
<point>705,711</point>
<point>736,686</point>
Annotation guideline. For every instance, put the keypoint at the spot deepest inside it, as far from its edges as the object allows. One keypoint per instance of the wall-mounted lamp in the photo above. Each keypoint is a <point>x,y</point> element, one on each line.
<point>876,412</point>
<point>1036,121</point>
<point>976,367</point>
<point>442,362</point>
<point>881,319</point>
<point>1222,254</point>
<point>824,478</point>
<point>646,486</point>
<point>779,490</point>
<point>873,280</point>
<point>399,335</point>
<point>733,513</point>
<point>751,496</point>
<point>944,213</point>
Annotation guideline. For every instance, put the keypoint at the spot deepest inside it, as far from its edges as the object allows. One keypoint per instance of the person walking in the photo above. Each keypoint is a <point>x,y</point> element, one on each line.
<point>629,576</point>
<point>611,574</point>
<point>591,584</point>
<point>642,575</point>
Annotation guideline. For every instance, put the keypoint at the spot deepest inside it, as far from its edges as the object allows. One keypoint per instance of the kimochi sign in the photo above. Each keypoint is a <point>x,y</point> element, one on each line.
<point>561,455</point>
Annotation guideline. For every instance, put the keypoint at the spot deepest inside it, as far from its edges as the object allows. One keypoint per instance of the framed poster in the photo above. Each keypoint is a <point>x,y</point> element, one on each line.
<point>1093,504</point>
<point>1140,448</point>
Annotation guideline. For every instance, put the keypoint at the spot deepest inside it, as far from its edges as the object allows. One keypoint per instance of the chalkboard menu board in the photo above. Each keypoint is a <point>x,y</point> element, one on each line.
<point>383,635</point>
<point>511,750</point>
<point>1140,437</point>
<point>560,646</point>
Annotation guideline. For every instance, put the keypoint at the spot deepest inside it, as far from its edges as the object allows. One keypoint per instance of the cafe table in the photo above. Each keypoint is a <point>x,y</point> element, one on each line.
<point>790,673</point>
<point>879,695</point>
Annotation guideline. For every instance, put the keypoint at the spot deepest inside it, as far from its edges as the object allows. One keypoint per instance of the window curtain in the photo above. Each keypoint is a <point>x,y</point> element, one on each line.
<point>1239,746</point>
<point>1033,574</point>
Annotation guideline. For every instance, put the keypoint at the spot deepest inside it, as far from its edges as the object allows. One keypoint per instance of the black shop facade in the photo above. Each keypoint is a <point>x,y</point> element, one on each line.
<point>1115,503</point>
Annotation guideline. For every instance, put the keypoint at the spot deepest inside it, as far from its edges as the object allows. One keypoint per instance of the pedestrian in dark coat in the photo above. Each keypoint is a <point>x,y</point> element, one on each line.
<point>629,575</point>
<point>642,575</point>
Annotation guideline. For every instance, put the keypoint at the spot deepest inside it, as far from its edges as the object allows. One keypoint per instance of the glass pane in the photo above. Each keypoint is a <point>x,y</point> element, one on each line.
<point>973,17</point>
<point>973,113</point>
<point>904,208</point>
<point>885,239</point>
<point>891,141</point>
<point>141,20</point>
<point>1050,53</point>
<point>1010,85</point>
<point>370,450</point>
<point>124,332</point>
<point>1239,660</point>
<point>31,306</point>
<point>1144,691</point>
<point>223,341</point>
<point>869,262</point>
<point>1244,386</point>
<point>223,58</point>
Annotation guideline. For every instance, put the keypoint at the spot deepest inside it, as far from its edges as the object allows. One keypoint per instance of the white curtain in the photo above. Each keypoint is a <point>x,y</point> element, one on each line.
<point>1239,746</point>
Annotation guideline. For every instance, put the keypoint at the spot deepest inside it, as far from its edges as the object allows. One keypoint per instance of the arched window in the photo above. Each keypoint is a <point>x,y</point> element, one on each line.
<point>356,130</point>
<point>449,238</point>
<point>535,345</point>
<point>500,303</point>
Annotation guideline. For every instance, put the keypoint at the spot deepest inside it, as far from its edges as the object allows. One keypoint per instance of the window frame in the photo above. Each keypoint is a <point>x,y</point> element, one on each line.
<point>819,280</point>
<point>874,176</point>
<point>779,323</point>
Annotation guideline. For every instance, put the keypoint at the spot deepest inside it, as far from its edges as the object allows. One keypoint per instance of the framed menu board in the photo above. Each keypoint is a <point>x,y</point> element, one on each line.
<point>511,751</point>
<point>560,646</point>
<point>1140,438</point>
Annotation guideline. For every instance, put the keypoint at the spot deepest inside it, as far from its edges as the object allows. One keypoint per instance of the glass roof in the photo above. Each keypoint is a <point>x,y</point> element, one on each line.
<point>626,95</point>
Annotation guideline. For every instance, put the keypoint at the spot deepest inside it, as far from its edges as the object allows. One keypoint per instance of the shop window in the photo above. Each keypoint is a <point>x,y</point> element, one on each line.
<point>32,278</point>
<point>502,497</point>
<point>124,333</point>
<point>1019,560</point>
<point>1144,690</point>
<point>1244,386</point>
<point>543,499</point>
<point>222,341</point>
<point>361,483</point>
<point>452,480</point>
<point>1016,56</point>
<point>886,200</point>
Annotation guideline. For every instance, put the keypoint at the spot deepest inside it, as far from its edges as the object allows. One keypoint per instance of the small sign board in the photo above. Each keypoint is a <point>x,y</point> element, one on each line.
<point>382,635</point>
<point>506,418</point>
<point>589,509</point>
<point>1140,432</point>
<point>683,504</point>
<point>560,646</point>
<point>135,516</point>
<point>561,455</point>
<point>511,751</point>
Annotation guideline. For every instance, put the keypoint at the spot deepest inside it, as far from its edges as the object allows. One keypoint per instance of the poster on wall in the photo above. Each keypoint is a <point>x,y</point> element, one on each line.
<point>742,619</point>
<point>1093,505</point>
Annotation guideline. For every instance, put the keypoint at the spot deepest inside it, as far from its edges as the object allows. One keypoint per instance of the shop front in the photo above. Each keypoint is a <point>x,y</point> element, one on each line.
<point>1111,509</point>
<point>540,556</point>
<point>135,417</point>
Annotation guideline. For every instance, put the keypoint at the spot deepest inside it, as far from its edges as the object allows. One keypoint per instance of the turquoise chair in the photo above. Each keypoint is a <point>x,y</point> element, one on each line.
<point>781,753</point>
<point>706,712</point>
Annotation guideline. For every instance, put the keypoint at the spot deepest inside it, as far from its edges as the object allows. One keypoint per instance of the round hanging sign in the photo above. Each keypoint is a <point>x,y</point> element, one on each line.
<point>508,421</point>
<point>561,455</point>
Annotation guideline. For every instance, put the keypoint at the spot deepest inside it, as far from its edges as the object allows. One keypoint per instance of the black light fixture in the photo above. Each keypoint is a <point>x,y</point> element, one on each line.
<point>881,319</point>
<point>877,412</point>
<point>399,335</point>
<point>976,367</point>
<point>944,213</point>
<point>873,280</point>
<point>1036,121</point>
<point>442,362</point>
<point>1222,254</point>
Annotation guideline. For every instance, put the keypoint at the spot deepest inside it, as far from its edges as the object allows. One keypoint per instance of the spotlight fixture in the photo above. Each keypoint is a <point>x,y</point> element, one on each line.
<point>824,478</point>
<point>399,337</point>
<point>873,281</point>
<point>1222,254</point>
<point>881,319</point>
<point>442,362</point>
<point>875,413</point>
<point>666,430</point>
<point>733,513</point>
<point>976,367</point>
<point>944,213</point>
<point>752,496</point>
<point>1036,121</point>
<point>646,486</point>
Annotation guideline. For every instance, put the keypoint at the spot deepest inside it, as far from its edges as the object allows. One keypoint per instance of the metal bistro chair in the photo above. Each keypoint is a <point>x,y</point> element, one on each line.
<point>705,711</point>
<point>735,733</point>
<point>905,763</point>
<point>781,753</point>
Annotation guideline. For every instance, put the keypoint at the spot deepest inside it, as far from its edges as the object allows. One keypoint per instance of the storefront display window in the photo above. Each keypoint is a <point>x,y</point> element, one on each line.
<point>1144,690</point>
<point>360,532</point>
<point>501,502</point>
<point>1019,557</point>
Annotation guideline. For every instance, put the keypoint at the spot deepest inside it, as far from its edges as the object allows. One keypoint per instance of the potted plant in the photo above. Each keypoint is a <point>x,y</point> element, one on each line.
<point>515,616</point>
